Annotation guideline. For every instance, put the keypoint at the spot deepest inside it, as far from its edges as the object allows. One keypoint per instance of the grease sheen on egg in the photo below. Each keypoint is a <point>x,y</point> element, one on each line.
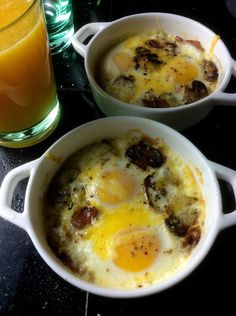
<point>122,223</point>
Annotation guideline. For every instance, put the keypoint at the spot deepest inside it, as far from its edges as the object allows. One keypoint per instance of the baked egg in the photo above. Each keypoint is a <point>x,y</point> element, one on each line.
<point>124,213</point>
<point>158,70</point>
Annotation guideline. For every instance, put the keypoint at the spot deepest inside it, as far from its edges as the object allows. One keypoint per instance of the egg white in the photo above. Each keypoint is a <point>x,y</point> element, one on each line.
<point>106,273</point>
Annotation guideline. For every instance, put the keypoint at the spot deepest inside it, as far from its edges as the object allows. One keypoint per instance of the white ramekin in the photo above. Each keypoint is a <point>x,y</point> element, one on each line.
<point>41,171</point>
<point>109,34</point>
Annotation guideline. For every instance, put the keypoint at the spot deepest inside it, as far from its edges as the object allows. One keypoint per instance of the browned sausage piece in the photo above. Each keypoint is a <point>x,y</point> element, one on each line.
<point>143,57</point>
<point>196,44</point>
<point>176,226</point>
<point>154,43</point>
<point>144,155</point>
<point>196,92</point>
<point>192,236</point>
<point>155,102</point>
<point>147,184</point>
<point>84,216</point>
<point>210,70</point>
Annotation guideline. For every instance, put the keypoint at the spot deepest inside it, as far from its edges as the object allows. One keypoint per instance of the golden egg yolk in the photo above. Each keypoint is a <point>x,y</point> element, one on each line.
<point>184,71</point>
<point>115,187</point>
<point>122,61</point>
<point>136,251</point>
<point>110,230</point>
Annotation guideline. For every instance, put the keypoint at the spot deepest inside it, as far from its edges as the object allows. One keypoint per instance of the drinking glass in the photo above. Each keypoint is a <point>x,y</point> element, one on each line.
<point>29,107</point>
<point>60,25</point>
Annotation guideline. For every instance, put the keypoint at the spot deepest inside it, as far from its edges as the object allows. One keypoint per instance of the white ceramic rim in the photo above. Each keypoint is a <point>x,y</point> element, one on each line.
<point>210,98</point>
<point>57,266</point>
<point>32,170</point>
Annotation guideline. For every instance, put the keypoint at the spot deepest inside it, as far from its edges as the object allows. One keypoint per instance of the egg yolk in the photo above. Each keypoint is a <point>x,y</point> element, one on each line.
<point>136,251</point>
<point>115,187</point>
<point>184,71</point>
<point>108,232</point>
<point>122,61</point>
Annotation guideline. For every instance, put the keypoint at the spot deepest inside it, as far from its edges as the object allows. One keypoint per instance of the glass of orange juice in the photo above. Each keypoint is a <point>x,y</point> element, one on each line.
<point>29,107</point>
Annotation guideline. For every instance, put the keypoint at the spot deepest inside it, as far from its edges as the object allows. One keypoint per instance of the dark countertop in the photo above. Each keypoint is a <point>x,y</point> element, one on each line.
<point>27,285</point>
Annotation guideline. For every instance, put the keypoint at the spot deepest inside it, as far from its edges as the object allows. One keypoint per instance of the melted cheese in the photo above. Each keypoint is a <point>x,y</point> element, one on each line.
<point>213,44</point>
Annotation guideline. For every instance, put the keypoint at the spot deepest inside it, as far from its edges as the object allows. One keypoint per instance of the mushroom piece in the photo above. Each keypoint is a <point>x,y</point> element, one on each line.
<point>143,57</point>
<point>155,102</point>
<point>195,92</point>
<point>210,70</point>
<point>144,155</point>
<point>84,216</point>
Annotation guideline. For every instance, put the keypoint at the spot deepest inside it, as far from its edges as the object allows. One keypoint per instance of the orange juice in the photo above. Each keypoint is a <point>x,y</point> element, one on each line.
<point>27,86</point>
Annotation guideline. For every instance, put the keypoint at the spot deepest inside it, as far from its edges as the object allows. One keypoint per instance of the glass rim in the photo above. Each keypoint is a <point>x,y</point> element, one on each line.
<point>20,17</point>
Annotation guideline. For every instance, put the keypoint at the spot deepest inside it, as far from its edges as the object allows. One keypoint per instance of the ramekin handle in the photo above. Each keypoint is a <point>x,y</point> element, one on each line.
<point>7,190</point>
<point>223,98</point>
<point>229,176</point>
<point>83,33</point>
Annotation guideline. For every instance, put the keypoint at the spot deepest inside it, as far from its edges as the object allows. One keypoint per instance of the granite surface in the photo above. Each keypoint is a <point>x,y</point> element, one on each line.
<point>27,285</point>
